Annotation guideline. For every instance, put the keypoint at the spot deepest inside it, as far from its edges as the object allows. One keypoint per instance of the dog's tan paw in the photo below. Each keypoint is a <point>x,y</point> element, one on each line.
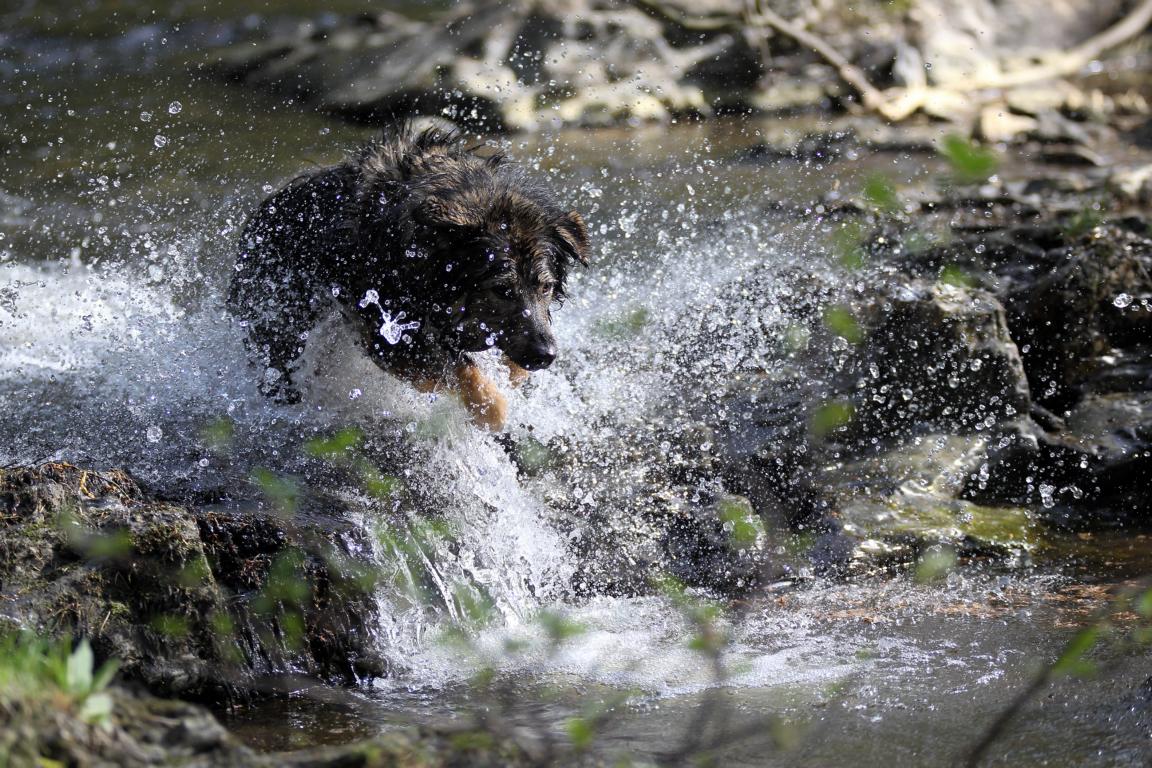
<point>486,406</point>
<point>517,376</point>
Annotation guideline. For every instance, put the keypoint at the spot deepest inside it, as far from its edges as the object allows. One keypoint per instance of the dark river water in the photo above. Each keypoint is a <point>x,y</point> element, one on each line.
<point>125,178</point>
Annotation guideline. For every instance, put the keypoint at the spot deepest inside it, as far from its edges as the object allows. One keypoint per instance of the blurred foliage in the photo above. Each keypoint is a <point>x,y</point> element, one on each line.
<point>842,322</point>
<point>1083,221</point>
<point>625,326</point>
<point>219,435</point>
<point>34,668</point>
<point>848,245</point>
<point>935,565</point>
<point>953,274</point>
<point>740,520</point>
<point>968,162</point>
<point>830,417</point>
<point>880,194</point>
<point>283,493</point>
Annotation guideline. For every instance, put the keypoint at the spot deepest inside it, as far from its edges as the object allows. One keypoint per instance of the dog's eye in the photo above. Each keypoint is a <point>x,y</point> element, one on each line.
<point>547,287</point>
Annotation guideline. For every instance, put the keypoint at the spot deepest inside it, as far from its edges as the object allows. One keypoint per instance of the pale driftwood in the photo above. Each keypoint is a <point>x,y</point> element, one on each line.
<point>896,104</point>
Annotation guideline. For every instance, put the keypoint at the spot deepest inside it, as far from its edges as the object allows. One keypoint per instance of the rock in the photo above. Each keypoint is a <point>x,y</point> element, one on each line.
<point>896,504</point>
<point>1070,155</point>
<point>38,728</point>
<point>937,355</point>
<point>719,546</point>
<point>997,124</point>
<point>677,521</point>
<point>1115,430</point>
<point>1134,184</point>
<point>790,95</point>
<point>1089,299</point>
<point>826,146</point>
<point>195,602</point>
<point>1037,99</point>
<point>1095,473</point>
<point>1054,128</point>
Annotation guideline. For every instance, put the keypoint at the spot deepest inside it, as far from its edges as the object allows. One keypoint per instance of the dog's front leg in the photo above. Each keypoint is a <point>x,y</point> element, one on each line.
<point>517,376</point>
<point>486,406</point>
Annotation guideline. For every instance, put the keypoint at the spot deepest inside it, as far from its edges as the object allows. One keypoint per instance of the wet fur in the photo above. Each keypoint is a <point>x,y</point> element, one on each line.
<point>461,241</point>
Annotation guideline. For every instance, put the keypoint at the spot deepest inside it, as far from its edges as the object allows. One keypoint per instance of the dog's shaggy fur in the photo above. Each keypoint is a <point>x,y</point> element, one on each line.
<point>430,248</point>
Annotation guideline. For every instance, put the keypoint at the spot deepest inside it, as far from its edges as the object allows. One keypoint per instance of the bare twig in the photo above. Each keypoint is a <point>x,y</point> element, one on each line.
<point>761,15</point>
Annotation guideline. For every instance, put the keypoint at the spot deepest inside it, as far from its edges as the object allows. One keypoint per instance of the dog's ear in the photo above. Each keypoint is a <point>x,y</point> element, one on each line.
<point>573,233</point>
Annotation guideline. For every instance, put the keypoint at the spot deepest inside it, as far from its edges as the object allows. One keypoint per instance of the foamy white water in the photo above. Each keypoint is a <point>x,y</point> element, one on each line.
<point>138,375</point>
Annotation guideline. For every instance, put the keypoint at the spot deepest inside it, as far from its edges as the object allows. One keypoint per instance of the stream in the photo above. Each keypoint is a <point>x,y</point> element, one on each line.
<point>126,182</point>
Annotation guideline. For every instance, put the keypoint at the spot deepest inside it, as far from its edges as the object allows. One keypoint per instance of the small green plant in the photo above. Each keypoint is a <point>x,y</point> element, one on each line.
<point>953,274</point>
<point>830,417</point>
<point>848,245</point>
<point>880,194</point>
<point>968,162</point>
<point>740,520</point>
<point>31,667</point>
<point>1083,221</point>
<point>841,322</point>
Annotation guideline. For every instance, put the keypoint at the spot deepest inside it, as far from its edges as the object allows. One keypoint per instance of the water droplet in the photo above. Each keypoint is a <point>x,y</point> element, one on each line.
<point>154,434</point>
<point>1046,495</point>
<point>1122,301</point>
<point>175,108</point>
<point>160,141</point>
<point>145,117</point>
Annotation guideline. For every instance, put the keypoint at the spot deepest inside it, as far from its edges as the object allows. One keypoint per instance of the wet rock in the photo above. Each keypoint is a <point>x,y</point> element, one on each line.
<point>1091,297</point>
<point>1076,292</point>
<point>144,731</point>
<point>896,504</point>
<point>643,526</point>
<point>1070,155</point>
<point>193,602</point>
<point>1094,473</point>
<point>825,146</point>
<point>997,124</point>
<point>719,546</point>
<point>937,355</point>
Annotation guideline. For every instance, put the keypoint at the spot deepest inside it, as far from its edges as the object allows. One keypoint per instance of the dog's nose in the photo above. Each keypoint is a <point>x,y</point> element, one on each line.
<point>539,356</point>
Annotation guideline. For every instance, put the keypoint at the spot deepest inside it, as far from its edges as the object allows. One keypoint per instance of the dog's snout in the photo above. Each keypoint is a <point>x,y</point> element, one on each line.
<point>538,356</point>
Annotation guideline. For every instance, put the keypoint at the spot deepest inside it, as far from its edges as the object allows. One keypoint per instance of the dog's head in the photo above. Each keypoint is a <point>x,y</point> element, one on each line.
<point>486,251</point>
<point>505,252</point>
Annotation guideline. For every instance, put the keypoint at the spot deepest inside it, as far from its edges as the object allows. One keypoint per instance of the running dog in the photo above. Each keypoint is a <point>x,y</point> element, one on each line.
<point>431,249</point>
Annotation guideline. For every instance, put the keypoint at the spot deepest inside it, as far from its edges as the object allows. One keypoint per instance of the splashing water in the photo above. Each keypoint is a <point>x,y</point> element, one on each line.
<point>391,328</point>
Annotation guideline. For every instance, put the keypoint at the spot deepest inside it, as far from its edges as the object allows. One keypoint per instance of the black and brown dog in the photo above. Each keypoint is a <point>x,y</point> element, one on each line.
<point>430,248</point>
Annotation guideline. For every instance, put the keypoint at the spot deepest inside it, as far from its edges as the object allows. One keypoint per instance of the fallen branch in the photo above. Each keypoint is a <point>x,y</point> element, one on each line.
<point>896,104</point>
<point>761,15</point>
